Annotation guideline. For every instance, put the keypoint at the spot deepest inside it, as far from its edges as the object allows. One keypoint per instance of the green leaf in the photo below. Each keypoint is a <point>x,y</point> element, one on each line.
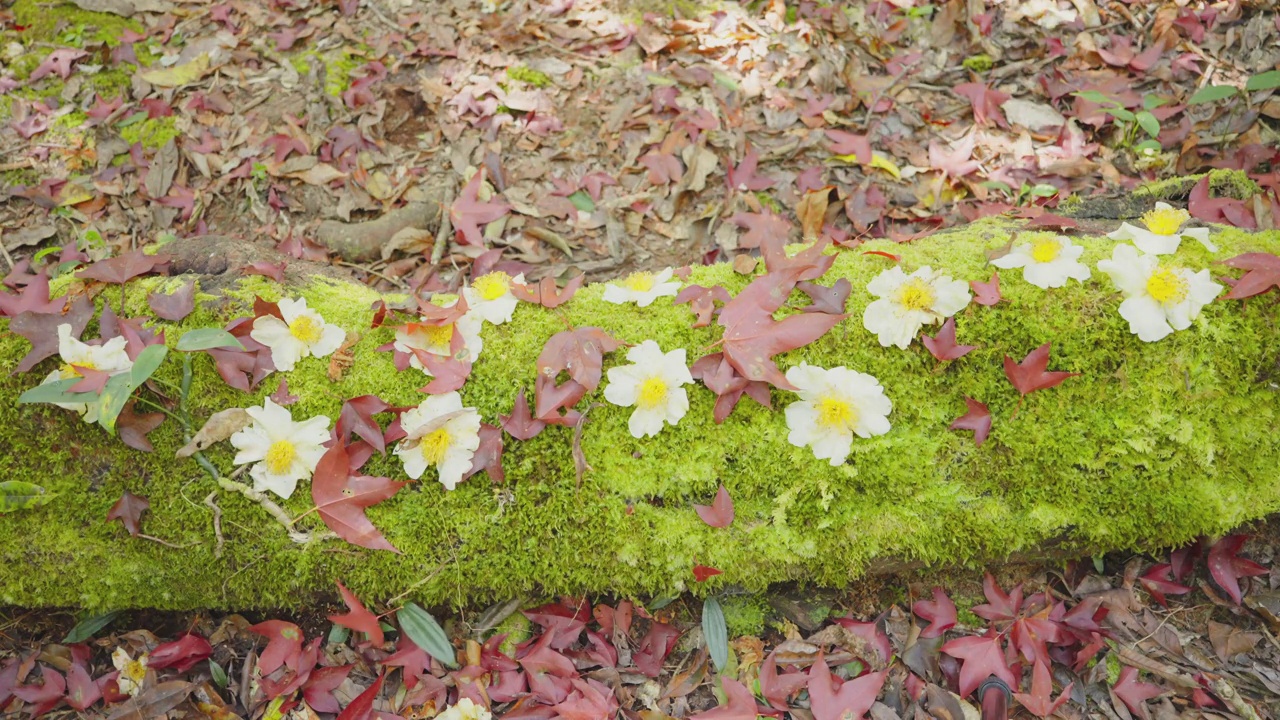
<point>87,627</point>
<point>1268,80</point>
<point>218,674</point>
<point>338,634</point>
<point>1212,93</point>
<point>427,634</point>
<point>1148,122</point>
<point>1094,96</point>
<point>1099,564</point>
<point>56,392</point>
<point>1121,114</point>
<point>1044,190</point>
<point>1151,102</point>
<point>207,339</point>
<point>120,388</point>
<point>1149,147</point>
<point>716,632</point>
<point>583,201</point>
<point>21,495</point>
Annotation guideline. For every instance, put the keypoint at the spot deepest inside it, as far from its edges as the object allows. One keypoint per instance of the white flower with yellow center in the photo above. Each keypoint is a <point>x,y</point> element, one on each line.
<point>652,384</point>
<point>465,709</point>
<point>489,296</point>
<point>1047,262</point>
<point>1164,231</point>
<point>438,339</point>
<point>284,451</point>
<point>835,405</point>
<point>440,433</point>
<point>132,672</point>
<point>909,302</point>
<point>641,288</point>
<point>110,358</point>
<point>302,333</point>
<point>1158,298</point>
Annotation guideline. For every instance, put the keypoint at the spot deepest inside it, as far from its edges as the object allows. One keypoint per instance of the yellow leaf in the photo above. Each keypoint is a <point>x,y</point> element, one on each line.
<point>879,161</point>
<point>178,75</point>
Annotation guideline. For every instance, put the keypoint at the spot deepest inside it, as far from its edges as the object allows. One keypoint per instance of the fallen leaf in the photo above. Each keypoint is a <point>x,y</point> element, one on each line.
<point>702,573</point>
<point>341,499</point>
<point>359,618</point>
<point>1229,640</point>
<point>176,305</point>
<point>178,75</point>
<point>719,514</point>
<point>128,510</point>
<point>1134,693</point>
<point>468,213</point>
<point>940,612</point>
<point>220,426</point>
<point>1227,567</point>
<point>1030,375</point>
<point>977,418</point>
<point>1039,701</point>
<point>943,345</point>
<point>987,293</point>
<point>980,657</point>
<point>521,424</point>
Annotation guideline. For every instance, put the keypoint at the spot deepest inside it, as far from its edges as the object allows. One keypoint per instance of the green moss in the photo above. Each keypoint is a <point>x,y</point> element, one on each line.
<point>529,76</point>
<point>745,614</point>
<point>151,132</point>
<point>1153,445</point>
<point>338,66</point>
<point>65,24</point>
<point>1234,184</point>
<point>978,63</point>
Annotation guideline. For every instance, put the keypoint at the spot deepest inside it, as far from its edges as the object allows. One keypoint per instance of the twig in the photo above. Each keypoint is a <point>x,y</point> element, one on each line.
<point>1168,673</point>
<point>166,543</point>
<point>579,457</point>
<point>377,12</point>
<point>212,502</point>
<point>301,537</point>
<point>5,251</point>
<point>1224,690</point>
<point>17,165</point>
<point>442,232</point>
<point>418,583</point>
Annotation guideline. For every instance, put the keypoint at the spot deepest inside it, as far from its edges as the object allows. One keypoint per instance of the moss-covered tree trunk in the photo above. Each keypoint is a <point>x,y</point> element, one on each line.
<point>1151,445</point>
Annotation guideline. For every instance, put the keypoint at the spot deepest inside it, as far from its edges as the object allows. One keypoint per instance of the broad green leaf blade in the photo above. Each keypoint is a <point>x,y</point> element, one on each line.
<point>87,627</point>
<point>20,495</point>
<point>427,634</point>
<point>1094,96</point>
<point>117,392</point>
<point>56,392</point>
<point>218,674</point>
<point>1268,80</point>
<point>1212,93</point>
<point>147,362</point>
<point>207,339</point>
<point>1148,122</point>
<point>1121,114</point>
<point>582,201</point>
<point>716,632</point>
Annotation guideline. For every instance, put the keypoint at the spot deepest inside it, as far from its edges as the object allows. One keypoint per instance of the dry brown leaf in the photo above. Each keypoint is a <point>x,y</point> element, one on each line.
<point>220,426</point>
<point>342,357</point>
<point>812,211</point>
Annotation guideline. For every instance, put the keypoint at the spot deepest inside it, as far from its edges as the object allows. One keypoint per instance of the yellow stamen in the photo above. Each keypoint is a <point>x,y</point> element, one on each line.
<point>438,336</point>
<point>69,370</point>
<point>1165,221</point>
<point>135,670</point>
<point>653,392</point>
<point>1167,286</point>
<point>492,286</point>
<point>280,457</point>
<point>916,294</point>
<point>836,413</point>
<point>1044,251</point>
<point>306,329</point>
<point>434,446</point>
<point>639,282</point>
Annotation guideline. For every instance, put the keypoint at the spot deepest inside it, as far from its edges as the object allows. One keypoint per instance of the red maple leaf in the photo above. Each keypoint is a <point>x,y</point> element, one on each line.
<point>359,619</point>
<point>128,510</point>
<point>1227,567</point>
<point>1134,693</point>
<point>1031,635</point>
<point>34,298</point>
<point>284,645</point>
<point>41,330</point>
<point>548,671</point>
<point>744,177</point>
<point>980,658</point>
<point>943,345</point>
<point>848,701</point>
<point>985,101</point>
<point>977,419</point>
<point>341,499</point>
<point>987,293</point>
<point>719,514</point>
<point>590,700</point>
<point>488,457</point>
<point>362,707</point>
<point>275,271</point>
<point>1000,607</point>
<point>702,573</point>
<point>579,352</point>
<point>702,300</point>
<point>761,227</point>
<point>663,167</point>
<point>722,379</point>
<point>182,654</point>
<point>123,268</point>
<point>521,424</point>
<point>654,648</point>
<point>546,293</point>
<point>940,612</point>
<point>57,63</point>
<point>1159,582</point>
<point>1039,701</point>
<point>1218,210</point>
<point>133,427</point>
<point>752,336</point>
<point>1263,274</point>
<point>468,213</point>
<point>82,691</point>
<point>775,688</point>
<point>1029,375</point>
<point>847,143</point>
<point>825,299</point>
<point>739,704</point>
<point>45,696</point>
<point>320,684</point>
<point>176,305</point>
<point>356,417</point>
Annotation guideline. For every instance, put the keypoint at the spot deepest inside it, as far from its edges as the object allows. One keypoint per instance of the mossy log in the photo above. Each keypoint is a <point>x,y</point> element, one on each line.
<point>1152,445</point>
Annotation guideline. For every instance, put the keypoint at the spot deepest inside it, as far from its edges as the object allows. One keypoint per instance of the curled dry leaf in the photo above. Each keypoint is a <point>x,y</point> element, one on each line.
<point>220,426</point>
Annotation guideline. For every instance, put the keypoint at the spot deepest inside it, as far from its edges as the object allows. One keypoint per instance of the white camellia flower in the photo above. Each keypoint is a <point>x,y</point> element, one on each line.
<point>909,302</point>
<point>110,358</point>
<point>641,288</point>
<point>284,451</point>
<point>132,672</point>
<point>489,296</point>
<point>438,339</point>
<point>1158,298</point>
<point>465,709</point>
<point>1047,262</point>
<point>835,405</point>
<point>652,384</point>
<point>440,433</point>
<point>1164,231</point>
<point>302,333</point>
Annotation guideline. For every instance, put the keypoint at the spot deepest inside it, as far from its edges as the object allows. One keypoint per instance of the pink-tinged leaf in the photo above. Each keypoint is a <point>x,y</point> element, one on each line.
<point>985,101</point>
<point>356,416</point>
<point>447,373</point>
<point>82,691</point>
<point>282,396</point>
<point>128,510</point>
<point>182,654</point>
<point>319,687</point>
<point>719,514</point>
<point>123,268</point>
<point>58,63</point>
<point>654,648</point>
<point>740,704</point>
<point>1039,701</point>
<point>940,612</point>
<point>722,379</point>
<point>702,301</point>
<point>488,457</point>
<point>176,305</point>
<point>702,573</point>
<point>284,645</point>
<point>999,607</point>
<point>943,345</point>
<point>761,228</point>
<point>45,696</point>
<point>824,299</point>
<point>1218,210</point>
<point>590,700</point>
<point>1227,567</point>
<point>1159,582</point>
<point>362,707</point>
<point>34,298</point>
<point>41,330</point>
<point>275,271</point>
<point>849,701</point>
<point>664,168</point>
<point>977,418</point>
<point>341,499</point>
<point>872,633</point>
<point>546,293</point>
<point>980,657</point>
<point>847,143</point>
<point>359,618</point>
<point>579,352</point>
<point>777,689</point>
<point>955,161</point>
<point>883,254</point>
<point>1133,692</point>
<point>744,177</point>
<point>1030,375</point>
<point>987,293</point>
<point>521,424</point>
<point>91,380</point>
<point>1263,274</point>
<point>752,336</point>
<point>469,214</point>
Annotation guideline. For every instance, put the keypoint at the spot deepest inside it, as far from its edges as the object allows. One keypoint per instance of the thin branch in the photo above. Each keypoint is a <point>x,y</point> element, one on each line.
<point>212,502</point>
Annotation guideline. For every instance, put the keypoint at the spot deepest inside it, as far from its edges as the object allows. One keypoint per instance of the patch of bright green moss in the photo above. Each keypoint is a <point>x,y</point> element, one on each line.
<point>151,132</point>
<point>745,614</point>
<point>65,24</point>
<point>1152,445</point>
<point>978,63</point>
<point>529,76</point>
<point>338,66</point>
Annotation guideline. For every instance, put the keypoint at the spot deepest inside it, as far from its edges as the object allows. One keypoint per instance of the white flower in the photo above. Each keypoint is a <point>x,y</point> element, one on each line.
<point>110,358</point>
<point>302,333</point>
<point>909,302</point>
<point>489,296</point>
<point>641,288</point>
<point>1164,231</point>
<point>440,433</point>
<point>1158,298</point>
<point>652,384</point>
<point>438,339</point>
<point>132,672</point>
<point>1048,262</point>
<point>465,709</point>
<point>285,451</point>
<point>834,405</point>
